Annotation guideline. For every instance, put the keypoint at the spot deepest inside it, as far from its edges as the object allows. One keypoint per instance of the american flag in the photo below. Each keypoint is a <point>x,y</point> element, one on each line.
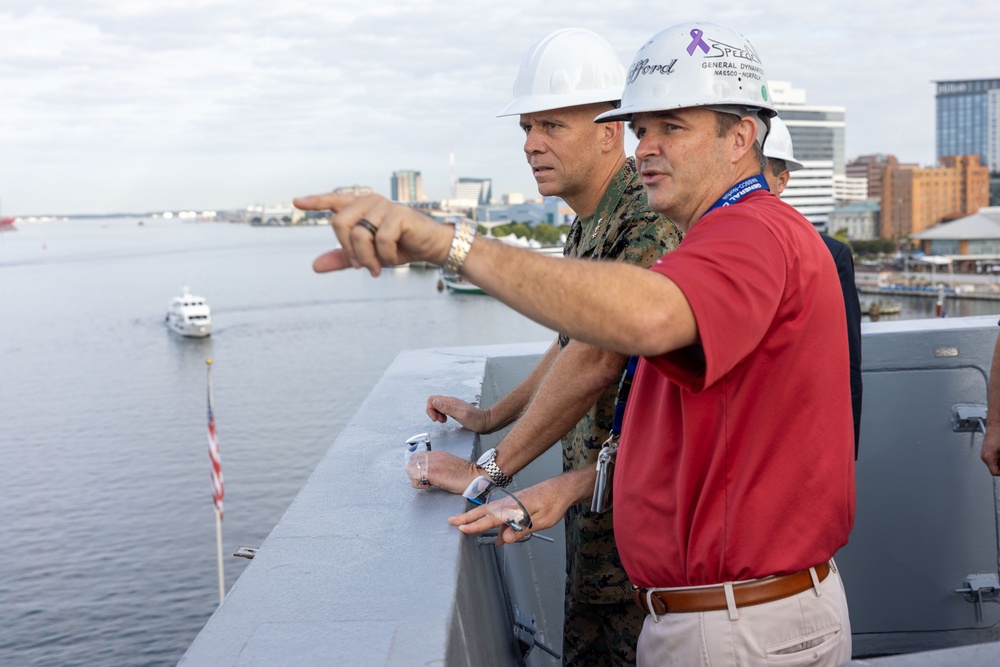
<point>218,490</point>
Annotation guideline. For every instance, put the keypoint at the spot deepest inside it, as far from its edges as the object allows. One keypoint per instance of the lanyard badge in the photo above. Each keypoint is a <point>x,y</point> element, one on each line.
<point>601,502</point>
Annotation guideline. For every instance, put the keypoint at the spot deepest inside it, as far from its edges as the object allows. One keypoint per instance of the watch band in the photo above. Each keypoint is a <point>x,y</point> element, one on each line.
<point>461,244</point>
<point>494,473</point>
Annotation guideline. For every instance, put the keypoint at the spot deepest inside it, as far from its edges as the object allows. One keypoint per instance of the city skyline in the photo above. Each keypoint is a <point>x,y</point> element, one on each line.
<point>968,115</point>
<point>211,105</point>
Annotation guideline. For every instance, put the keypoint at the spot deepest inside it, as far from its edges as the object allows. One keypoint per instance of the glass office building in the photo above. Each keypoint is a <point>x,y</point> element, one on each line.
<point>407,186</point>
<point>817,132</point>
<point>968,120</point>
<point>479,190</point>
<point>818,143</point>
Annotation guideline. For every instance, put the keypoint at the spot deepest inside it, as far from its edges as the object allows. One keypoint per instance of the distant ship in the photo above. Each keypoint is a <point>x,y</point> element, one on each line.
<point>6,224</point>
<point>189,315</point>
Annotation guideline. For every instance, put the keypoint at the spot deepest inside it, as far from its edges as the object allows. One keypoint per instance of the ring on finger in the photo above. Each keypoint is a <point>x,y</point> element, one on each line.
<point>368,225</point>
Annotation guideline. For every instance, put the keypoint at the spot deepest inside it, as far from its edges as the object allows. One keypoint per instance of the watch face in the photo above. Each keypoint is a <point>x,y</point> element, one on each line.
<point>486,457</point>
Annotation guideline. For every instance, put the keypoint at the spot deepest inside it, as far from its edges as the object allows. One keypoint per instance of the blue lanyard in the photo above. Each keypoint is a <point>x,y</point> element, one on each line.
<point>623,388</point>
<point>740,190</point>
<point>734,194</point>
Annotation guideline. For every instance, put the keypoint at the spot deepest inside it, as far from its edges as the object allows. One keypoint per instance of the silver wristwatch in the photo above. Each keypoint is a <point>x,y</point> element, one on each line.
<point>492,470</point>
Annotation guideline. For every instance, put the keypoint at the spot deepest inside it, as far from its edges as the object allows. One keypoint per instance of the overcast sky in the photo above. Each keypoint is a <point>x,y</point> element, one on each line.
<point>144,105</point>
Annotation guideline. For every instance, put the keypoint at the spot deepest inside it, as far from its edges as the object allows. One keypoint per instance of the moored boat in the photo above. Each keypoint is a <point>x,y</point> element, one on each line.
<point>189,315</point>
<point>877,308</point>
<point>459,285</point>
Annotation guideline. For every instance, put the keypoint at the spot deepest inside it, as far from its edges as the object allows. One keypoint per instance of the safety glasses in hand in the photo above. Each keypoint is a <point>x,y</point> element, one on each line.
<point>499,502</point>
<point>416,457</point>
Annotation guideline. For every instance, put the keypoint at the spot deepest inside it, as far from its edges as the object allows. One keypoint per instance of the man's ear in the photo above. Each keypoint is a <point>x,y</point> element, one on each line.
<point>781,181</point>
<point>744,136</point>
<point>611,135</point>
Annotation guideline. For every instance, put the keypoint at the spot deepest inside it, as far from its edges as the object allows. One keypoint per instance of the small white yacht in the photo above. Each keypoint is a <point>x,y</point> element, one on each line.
<point>189,315</point>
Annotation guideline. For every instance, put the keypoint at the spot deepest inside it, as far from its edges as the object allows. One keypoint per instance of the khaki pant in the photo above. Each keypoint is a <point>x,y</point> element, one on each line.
<point>811,628</point>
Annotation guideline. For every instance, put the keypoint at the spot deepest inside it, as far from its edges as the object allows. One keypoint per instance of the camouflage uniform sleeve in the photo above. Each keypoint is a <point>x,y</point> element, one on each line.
<point>638,235</point>
<point>652,236</point>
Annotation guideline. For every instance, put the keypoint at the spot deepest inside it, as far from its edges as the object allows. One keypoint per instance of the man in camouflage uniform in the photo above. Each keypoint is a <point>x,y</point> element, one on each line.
<point>594,573</point>
<point>571,393</point>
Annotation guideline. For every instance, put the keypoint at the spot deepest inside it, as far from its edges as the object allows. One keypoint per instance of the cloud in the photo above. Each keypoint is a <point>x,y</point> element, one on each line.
<point>233,102</point>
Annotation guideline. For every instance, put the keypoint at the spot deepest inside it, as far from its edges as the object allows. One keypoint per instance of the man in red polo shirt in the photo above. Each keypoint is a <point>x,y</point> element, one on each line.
<point>734,484</point>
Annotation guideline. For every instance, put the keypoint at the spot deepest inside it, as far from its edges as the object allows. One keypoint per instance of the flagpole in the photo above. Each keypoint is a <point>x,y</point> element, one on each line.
<point>218,553</point>
<point>217,487</point>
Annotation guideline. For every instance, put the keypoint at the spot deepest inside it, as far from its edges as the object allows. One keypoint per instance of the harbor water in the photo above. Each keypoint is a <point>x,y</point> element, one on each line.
<point>107,531</point>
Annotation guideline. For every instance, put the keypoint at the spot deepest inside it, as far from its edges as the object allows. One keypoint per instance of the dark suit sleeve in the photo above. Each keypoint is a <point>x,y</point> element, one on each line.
<point>845,269</point>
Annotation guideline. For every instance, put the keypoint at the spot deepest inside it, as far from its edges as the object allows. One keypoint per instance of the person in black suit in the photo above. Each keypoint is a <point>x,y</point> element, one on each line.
<point>781,162</point>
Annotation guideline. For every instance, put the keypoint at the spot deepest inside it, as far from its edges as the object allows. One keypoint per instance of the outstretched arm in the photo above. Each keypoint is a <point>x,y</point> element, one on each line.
<point>601,303</point>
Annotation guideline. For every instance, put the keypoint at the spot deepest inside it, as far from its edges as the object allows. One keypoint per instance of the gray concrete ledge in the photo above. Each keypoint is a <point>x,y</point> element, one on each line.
<point>363,569</point>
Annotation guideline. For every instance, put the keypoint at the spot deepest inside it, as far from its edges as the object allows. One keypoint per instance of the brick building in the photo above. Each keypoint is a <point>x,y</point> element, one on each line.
<point>915,199</point>
<point>873,167</point>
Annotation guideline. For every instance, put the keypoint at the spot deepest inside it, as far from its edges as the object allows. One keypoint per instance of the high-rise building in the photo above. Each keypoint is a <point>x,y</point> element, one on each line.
<point>915,199</point>
<point>968,120</point>
<point>872,167</point>
<point>407,186</point>
<point>479,190</point>
<point>818,142</point>
<point>847,189</point>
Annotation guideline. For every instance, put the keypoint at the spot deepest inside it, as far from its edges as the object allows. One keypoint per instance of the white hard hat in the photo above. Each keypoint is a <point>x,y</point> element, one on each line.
<point>567,68</point>
<point>694,65</point>
<point>779,145</point>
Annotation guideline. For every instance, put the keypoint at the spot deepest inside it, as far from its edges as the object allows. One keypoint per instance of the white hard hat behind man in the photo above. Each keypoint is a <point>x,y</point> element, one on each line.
<point>779,145</point>
<point>566,68</point>
<point>780,159</point>
<point>696,65</point>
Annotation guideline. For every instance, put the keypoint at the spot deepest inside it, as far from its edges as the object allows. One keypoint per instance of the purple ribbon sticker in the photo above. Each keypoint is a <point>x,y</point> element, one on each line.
<point>697,42</point>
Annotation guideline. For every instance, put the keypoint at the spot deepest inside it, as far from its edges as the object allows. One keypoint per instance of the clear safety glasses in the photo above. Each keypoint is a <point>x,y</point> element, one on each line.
<point>416,457</point>
<point>499,502</point>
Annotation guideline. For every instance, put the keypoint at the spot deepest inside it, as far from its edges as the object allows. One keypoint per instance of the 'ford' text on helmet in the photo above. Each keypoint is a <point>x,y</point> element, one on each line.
<point>778,145</point>
<point>566,68</point>
<point>695,65</point>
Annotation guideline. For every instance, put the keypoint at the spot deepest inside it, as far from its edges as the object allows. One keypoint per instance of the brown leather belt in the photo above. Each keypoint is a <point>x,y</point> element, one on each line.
<point>712,598</point>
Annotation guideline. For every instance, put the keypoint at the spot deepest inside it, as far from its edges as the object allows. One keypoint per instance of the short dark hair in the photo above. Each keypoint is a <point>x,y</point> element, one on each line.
<point>724,124</point>
<point>777,165</point>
